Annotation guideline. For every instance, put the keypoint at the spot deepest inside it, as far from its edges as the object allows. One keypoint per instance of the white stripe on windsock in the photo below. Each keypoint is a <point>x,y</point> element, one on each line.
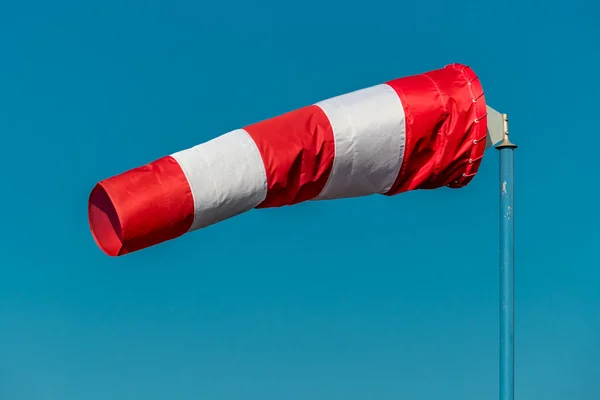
<point>226,175</point>
<point>369,130</point>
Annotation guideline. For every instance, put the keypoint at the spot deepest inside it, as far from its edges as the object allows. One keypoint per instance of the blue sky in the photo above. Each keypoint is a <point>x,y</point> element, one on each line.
<point>365,298</point>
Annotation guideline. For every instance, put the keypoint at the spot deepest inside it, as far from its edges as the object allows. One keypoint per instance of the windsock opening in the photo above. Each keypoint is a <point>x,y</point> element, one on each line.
<point>104,222</point>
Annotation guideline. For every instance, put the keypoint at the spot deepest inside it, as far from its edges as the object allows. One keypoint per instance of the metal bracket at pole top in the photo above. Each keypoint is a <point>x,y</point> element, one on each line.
<point>505,143</point>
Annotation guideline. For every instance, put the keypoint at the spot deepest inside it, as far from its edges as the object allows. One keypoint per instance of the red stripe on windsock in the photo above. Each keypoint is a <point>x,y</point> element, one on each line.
<point>445,128</point>
<point>297,149</point>
<point>141,207</point>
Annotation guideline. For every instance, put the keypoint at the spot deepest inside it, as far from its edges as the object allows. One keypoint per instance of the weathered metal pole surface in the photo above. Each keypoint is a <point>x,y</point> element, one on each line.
<point>507,220</point>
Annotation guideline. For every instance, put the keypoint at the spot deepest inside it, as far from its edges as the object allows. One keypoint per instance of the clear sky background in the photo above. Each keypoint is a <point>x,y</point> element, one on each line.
<point>370,298</point>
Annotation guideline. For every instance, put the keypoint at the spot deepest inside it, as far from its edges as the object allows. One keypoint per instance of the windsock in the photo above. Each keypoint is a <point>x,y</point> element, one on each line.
<point>418,132</point>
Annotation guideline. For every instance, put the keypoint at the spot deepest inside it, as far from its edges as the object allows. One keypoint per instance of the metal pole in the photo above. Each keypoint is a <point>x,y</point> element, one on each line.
<point>507,324</point>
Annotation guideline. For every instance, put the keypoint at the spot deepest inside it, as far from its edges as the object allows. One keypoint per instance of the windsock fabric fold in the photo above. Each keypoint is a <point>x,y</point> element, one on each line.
<point>419,132</point>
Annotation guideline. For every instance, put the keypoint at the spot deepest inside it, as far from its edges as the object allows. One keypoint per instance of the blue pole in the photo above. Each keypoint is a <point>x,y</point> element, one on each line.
<point>507,307</point>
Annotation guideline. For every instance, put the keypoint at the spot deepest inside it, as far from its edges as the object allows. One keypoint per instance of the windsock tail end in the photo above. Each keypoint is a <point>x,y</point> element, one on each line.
<point>141,207</point>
